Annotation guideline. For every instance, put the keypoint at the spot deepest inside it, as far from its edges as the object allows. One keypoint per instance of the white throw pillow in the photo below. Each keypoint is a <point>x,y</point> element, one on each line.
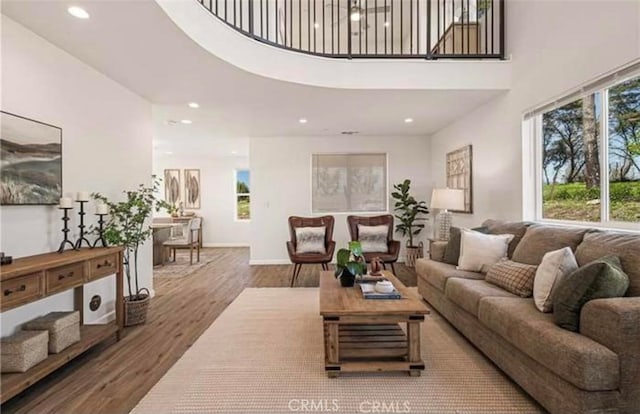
<point>478,251</point>
<point>554,266</point>
<point>310,240</point>
<point>373,239</point>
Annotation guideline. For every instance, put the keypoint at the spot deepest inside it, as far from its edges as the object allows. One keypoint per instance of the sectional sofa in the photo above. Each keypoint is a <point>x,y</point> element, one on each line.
<point>596,370</point>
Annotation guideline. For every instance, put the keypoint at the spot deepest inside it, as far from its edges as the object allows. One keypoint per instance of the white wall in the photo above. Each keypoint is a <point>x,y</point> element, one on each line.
<point>281,183</point>
<point>219,226</point>
<point>555,46</point>
<point>107,132</point>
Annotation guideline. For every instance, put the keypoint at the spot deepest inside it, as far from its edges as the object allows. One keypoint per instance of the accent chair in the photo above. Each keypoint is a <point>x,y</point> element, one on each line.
<point>393,246</point>
<point>298,259</point>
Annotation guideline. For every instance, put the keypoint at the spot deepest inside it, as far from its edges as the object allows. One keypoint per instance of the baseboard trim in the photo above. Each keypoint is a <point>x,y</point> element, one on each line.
<point>225,244</point>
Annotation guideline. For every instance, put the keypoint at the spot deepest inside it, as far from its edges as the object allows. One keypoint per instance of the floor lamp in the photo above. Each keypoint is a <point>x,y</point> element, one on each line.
<point>445,199</point>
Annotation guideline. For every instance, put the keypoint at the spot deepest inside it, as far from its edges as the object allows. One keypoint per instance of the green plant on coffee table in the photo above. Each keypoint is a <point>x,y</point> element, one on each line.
<point>127,226</point>
<point>410,211</point>
<point>351,260</point>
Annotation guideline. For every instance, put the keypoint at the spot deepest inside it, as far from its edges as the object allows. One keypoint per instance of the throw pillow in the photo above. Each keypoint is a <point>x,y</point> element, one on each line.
<point>513,277</point>
<point>452,250</point>
<point>555,265</point>
<point>373,239</point>
<point>310,240</point>
<point>480,251</point>
<point>602,278</point>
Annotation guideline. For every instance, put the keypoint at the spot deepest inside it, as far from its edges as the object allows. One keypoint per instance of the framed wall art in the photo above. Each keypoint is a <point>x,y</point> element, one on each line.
<point>31,161</point>
<point>459,175</point>
<point>192,189</point>
<point>172,186</point>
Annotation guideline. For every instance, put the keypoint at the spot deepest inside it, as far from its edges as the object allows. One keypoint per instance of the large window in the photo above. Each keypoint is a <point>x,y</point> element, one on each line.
<point>243,197</point>
<point>589,157</point>
<point>344,183</point>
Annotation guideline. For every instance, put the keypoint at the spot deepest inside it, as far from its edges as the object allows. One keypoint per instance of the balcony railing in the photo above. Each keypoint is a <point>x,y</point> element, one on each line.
<point>427,29</point>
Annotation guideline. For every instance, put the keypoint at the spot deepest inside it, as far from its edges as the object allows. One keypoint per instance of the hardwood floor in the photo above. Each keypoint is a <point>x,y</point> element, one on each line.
<point>113,377</point>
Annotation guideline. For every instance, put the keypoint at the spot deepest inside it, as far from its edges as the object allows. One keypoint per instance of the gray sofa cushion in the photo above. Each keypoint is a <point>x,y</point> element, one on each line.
<point>539,240</point>
<point>600,279</point>
<point>574,357</point>
<point>626,246</point>
<point>437,273</point>
<point>517,228</point>
<point>467,293</point>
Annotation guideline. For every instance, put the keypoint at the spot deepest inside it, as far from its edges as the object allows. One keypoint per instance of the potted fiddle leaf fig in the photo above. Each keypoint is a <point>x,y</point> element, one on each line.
<point>128,226</point>
<point>349,264</point>
<point>410,213</point>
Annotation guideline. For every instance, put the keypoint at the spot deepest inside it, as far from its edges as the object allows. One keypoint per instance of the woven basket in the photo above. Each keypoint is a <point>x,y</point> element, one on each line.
<point>135,311</point>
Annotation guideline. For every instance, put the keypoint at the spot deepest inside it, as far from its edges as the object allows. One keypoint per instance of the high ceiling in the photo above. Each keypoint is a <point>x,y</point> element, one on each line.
<point>136,44</point>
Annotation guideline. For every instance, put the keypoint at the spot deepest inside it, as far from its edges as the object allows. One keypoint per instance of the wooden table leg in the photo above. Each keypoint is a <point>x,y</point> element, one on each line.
<point>413,344</point>
<point>331,347</point>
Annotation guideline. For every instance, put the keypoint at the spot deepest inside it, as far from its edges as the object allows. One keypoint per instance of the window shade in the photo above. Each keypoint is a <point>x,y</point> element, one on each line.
<point>617,76</point>
<point>344,183</point>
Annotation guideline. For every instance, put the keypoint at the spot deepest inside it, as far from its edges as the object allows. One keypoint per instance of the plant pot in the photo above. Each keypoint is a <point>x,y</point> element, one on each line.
<point>414,253</point>
<point>136,307</point>
<point>347,279</point>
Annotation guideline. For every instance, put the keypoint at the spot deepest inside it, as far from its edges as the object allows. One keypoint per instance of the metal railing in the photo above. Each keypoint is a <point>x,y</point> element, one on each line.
<point>427,29</point>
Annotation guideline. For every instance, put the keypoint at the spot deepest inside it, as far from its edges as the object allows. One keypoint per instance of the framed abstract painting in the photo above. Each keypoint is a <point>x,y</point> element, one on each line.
<point>459,175</point>
<point>31,161</point>
<point>192,189</point>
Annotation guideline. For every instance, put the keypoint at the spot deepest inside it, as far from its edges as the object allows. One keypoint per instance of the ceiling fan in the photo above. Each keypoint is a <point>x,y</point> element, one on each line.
<point>358,14</point>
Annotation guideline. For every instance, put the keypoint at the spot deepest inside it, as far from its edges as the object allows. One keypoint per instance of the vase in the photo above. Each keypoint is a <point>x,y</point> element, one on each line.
<point>347,279</point>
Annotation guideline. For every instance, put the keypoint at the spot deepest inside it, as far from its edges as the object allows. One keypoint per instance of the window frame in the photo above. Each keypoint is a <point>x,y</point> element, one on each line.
<point>368,212</point>
<point>237,194</point>
<point>532,129</point>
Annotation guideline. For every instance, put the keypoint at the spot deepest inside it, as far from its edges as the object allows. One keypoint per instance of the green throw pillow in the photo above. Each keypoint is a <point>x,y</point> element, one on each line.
<point>452,249</point>
<point>602,278</point>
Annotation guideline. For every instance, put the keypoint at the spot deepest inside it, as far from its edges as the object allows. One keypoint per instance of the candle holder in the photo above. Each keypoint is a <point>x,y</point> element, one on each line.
<point>100,231</point>
<point>82,238</point>
<point>65,230</point>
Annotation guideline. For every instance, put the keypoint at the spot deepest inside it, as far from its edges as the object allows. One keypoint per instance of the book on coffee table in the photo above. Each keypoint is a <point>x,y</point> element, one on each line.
<point>369,292</point>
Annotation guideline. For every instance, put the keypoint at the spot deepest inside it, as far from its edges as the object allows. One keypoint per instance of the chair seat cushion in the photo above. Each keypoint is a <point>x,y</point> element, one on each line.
<point>437,273</point>
<point>574,357</point>
<point>467,293</point>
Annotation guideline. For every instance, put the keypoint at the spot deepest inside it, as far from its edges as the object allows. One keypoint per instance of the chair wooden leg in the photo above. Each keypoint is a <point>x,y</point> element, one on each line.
<point>294,275</point>
<point>393,269</point>
<point>190,255</point>
<point>198,253</point>
<point>384,266</point>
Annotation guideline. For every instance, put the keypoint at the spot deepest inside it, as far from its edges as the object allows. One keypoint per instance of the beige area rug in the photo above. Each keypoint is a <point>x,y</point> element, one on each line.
<point>264,354</point>
<point>181,267</point>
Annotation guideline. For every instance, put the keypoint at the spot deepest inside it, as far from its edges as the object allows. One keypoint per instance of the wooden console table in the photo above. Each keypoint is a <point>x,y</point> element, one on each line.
<point>32,278</point>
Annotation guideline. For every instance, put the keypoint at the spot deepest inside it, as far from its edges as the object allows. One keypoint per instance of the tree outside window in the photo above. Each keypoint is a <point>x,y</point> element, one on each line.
<point>243,210</point>
<point>576,184</point>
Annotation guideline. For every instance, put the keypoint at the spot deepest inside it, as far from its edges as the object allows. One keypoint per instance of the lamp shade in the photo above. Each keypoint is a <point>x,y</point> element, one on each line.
<point>447,199</point>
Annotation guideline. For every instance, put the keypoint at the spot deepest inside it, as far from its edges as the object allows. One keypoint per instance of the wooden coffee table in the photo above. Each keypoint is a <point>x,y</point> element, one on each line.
<point>364,335</point>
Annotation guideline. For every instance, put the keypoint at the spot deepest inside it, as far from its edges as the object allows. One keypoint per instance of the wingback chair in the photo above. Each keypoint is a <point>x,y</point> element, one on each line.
<point>298,259</point>
<point>393,246</point>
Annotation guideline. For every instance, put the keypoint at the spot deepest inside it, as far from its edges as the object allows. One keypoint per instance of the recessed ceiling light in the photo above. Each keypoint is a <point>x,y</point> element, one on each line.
<point>302,120</point>
<point>234,152</point>
<point>194,105</point>
<point>408,120</point>
<point>186,121</point>
<point>78,12</point>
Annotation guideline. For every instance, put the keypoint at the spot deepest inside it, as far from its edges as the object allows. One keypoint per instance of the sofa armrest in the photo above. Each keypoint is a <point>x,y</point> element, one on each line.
<point>615,323</point>
<point>436,250</point>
